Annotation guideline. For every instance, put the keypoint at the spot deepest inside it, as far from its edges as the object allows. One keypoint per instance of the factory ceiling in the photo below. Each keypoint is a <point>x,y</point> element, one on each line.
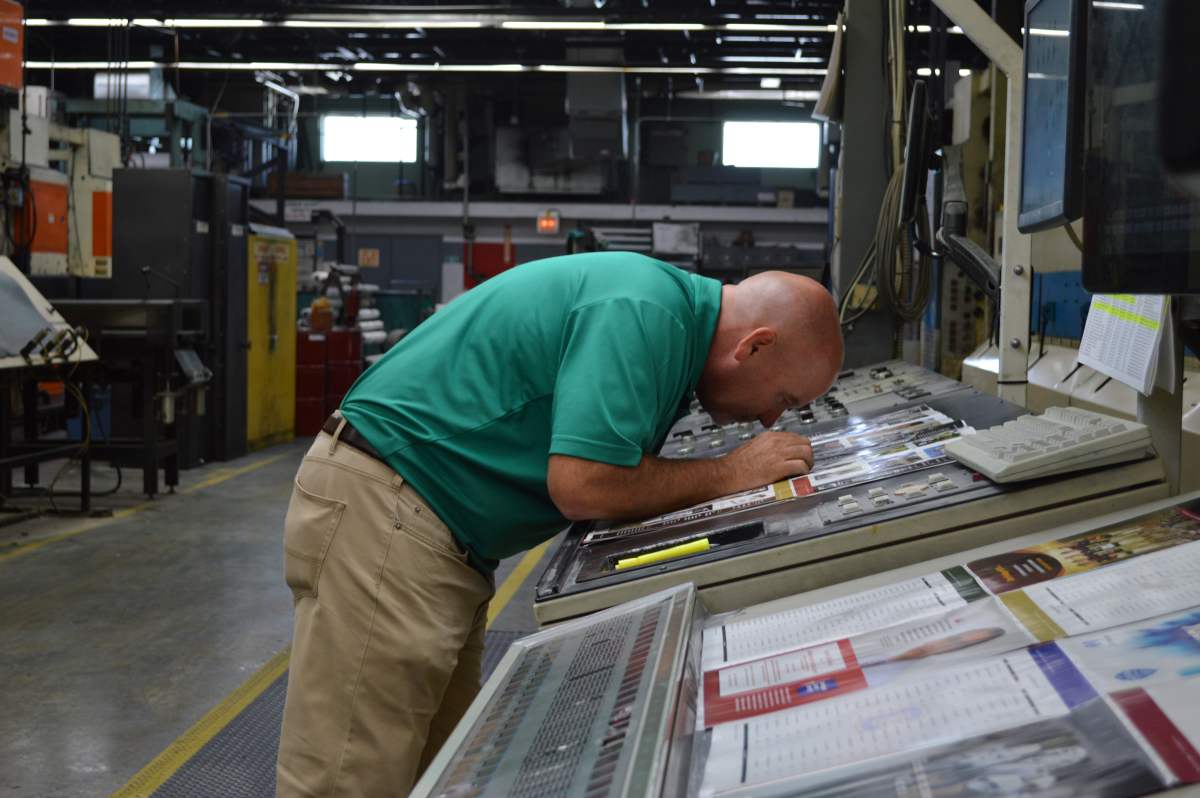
<point>344,47</point>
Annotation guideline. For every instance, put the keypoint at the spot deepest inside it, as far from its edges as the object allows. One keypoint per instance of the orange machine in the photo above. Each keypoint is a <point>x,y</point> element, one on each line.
<point>44,218</point>
<point>12,44</point>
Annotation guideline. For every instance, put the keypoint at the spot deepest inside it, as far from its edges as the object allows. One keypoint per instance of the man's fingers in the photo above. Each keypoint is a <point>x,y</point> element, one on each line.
<point>801,451</point>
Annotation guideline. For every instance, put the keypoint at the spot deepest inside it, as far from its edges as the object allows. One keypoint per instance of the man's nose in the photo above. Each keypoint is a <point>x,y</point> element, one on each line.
<point>768,419</point>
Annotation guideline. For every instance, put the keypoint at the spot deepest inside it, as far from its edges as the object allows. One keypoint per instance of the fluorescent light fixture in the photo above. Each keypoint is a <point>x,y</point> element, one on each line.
<point>786,95</point>
<point>771,145</point>
<point>479,21</point>
<point>213,23</point>
<point>924,72</point>
<point>108,22</point>
<point>94,22</point>
<point>924,29</point>
<point>1053,32</point>
<point>770,83</point>
<point>1118,6</point>
<point>368,139</point>
<point>576,68</point>
<point>770,59</point>
<point>397,23</point>
<point>596,24</point>
<point>964,73</point>
<point>91,64</point>
<point>763,26</point>
<point>397,66</point>
<point>248,66</point>
<point>761,39</point>
<point>548,24</point>
<point>378,66</point>
<point>770,71</point>
<point>679,26</point>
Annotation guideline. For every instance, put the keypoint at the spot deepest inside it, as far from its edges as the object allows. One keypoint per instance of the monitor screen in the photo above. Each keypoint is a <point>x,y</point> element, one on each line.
<point>1141,229</point>
<point>1052,139</point>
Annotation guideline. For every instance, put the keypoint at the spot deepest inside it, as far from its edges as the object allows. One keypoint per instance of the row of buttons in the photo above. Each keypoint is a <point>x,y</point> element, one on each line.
<point>849,504</point>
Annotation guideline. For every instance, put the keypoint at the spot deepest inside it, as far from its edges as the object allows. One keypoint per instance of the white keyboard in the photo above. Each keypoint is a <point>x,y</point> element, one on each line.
<point>1060,440</point>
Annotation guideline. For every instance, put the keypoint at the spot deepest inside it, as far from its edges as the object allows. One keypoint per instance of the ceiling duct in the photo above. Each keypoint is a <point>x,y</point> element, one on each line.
<point>596,106</point>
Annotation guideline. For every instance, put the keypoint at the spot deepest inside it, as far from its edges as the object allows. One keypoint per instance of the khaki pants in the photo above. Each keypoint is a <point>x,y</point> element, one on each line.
<point>389,629</point>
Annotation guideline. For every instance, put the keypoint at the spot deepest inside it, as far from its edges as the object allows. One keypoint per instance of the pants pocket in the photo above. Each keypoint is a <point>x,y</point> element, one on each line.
<point>311,523</point>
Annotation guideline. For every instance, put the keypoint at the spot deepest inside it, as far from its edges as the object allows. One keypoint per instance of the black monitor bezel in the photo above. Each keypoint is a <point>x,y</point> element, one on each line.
<point>916,154</point>
<point>1070,208</point>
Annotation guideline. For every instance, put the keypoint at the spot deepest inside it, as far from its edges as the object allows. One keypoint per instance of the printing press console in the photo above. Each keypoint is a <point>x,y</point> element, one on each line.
<point>1018,667</point>
<point>895,499</point>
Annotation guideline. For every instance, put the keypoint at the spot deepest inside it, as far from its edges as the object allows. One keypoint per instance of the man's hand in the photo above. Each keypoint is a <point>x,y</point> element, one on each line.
<point>768,458</point>
<point>585,489</point>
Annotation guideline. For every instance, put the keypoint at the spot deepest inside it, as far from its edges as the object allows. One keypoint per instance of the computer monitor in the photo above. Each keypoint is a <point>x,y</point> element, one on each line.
<point>1141,226</point>
<point>916,155</point>
<point>1052,130</point>
<point>1179,121</point>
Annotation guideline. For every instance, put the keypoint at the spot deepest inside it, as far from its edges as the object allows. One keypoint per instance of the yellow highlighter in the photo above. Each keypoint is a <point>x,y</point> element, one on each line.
<point>682,550</point>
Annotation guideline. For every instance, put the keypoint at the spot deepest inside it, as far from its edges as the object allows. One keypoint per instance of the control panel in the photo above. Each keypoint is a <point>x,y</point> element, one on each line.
<point>857,392</point>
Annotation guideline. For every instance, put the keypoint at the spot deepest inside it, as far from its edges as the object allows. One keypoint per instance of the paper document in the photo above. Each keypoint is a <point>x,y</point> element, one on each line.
<point>1129,591</point>
<point>738,640</point>
<point>1123,338</point>
<point>1089,550</point>
<point>997,693</point>
<point>1087,752</point>
<point>1162,649</point>
<point>906,651</point>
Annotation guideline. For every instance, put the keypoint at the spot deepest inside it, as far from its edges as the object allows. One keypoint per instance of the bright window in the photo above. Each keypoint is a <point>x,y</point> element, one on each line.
<point>778,145</point>
<point>375,139</point>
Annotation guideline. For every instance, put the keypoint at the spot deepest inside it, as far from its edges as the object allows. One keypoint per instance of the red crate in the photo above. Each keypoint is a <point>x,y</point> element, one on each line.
<point>311,348</point>
<point>340,376</point>
<point>311,382</point>
<point>344,346</point>
<point>310,415</point>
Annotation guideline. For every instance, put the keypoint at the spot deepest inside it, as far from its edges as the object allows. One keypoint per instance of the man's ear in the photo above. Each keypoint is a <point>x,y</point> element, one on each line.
<point>750,344</point>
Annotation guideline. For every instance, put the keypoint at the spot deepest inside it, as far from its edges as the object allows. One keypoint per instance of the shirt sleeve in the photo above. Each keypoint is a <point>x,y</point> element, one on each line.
<point>616,380</point>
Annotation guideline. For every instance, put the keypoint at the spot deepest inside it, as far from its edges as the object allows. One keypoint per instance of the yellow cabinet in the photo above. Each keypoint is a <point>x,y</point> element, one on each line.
<point>271,331</point>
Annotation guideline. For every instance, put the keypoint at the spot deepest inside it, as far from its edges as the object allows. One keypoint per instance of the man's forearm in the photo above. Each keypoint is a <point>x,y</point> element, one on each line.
<point>583,489</point>
<point>655,485</point>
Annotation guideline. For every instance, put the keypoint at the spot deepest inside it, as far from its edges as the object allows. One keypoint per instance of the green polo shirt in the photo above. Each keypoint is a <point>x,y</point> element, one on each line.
<point>586,355</point>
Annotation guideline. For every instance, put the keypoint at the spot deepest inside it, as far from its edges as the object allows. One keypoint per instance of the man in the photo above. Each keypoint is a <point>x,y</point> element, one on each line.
<point>534,399</point>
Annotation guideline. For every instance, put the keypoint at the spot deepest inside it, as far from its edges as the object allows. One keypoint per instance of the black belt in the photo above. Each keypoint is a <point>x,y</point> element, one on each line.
<point>351,437</point>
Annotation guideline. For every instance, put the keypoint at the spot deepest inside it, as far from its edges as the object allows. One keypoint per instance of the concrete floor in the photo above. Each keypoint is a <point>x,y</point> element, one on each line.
<point>116,640</point>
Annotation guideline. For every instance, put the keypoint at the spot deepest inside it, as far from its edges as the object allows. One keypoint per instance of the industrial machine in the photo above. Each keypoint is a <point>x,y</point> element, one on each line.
<point>148,350</point>
<point>1018,667</point>
<point>58,204</point>
<point>883,493</point>
<point>592,707</point>
<point>36,344</point>
<point>183,235</point>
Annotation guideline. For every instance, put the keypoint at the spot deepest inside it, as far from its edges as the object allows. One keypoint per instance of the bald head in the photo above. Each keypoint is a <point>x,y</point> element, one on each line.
<point>778,344</point>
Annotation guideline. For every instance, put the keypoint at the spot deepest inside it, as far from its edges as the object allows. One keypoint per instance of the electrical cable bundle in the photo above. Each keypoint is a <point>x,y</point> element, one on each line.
<point>888,261</point>
<point>897,278</point>
<point>23,215</point>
